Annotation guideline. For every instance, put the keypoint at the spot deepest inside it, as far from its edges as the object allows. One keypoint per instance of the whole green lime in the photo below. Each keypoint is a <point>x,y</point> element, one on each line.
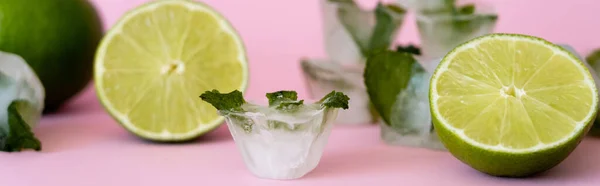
<point>57,38</point>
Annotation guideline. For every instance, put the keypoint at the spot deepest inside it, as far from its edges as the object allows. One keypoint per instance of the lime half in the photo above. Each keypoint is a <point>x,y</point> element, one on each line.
<point>154,63</point>
<point>512,105</point>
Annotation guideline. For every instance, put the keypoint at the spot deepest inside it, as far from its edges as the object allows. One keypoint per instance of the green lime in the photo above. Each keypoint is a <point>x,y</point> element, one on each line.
<point>57,38</point>
<point>512,105</point>
<point>155,62</point>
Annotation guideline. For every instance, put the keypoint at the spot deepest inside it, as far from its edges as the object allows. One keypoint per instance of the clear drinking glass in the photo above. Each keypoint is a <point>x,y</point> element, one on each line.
<point>441,31</point>
<point>281,145</point>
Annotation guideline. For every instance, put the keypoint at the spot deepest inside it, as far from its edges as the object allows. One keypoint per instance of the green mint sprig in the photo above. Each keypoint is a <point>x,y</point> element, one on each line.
<point>335,100</point>
<point>285,100</point>
<point>18,135</point>
<point>383,70</point>
<point>232,101</point>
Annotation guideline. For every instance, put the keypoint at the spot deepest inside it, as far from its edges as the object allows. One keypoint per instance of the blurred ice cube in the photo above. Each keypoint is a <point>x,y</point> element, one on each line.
<point>19,82</point>
<point>439,34</point>
<point>323,76</point>
<point>410,122</point>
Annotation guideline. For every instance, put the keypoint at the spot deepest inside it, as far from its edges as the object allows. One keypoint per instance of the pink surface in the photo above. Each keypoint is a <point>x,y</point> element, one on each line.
<point>83,146</point>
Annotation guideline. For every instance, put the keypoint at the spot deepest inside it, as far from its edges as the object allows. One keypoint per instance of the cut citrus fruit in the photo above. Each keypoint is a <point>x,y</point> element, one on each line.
<point>512,105</point>
<point>154,63</point>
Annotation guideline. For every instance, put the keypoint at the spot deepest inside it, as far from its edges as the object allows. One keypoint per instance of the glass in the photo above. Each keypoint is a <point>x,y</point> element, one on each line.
<point>280,145</point>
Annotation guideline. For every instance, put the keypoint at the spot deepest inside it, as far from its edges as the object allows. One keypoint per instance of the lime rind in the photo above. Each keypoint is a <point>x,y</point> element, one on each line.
<point>504,163</point>
<point>99,69</point>
<point>581,127</point>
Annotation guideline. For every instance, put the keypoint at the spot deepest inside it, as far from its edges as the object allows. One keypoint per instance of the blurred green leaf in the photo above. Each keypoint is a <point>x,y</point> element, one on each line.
<point>19,135</point>
<point>386,75</point>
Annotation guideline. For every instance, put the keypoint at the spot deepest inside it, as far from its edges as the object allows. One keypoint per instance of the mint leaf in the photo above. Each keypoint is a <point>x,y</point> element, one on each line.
<point>386,75</point>
<point>232,101</point>
<point>281,96</point>
<point>335,100</point>
<point>285,100</point>
<point>19,135</point>
<point>467,9</point>
<point>412,49</point>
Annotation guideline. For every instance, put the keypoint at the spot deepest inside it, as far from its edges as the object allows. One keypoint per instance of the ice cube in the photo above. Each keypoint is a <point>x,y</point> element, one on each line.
<point>280,145</point>
<point>410,122</point>
<point>324,76</point>
<point>19,82</point>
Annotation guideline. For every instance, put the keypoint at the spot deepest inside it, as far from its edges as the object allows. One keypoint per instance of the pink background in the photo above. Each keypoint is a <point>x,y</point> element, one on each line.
<point>279,32</point>
<point>84,146</point>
